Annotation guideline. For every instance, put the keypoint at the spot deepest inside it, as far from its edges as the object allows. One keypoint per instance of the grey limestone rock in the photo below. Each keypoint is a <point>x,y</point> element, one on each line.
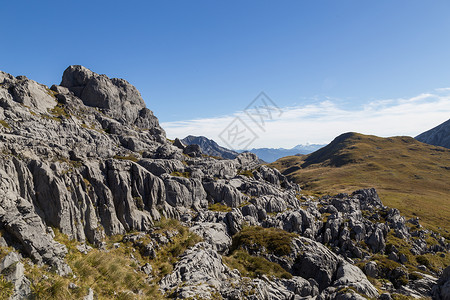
<point>147,269</point>
<point>215,234</point>
<point>441,291</point>
<point>222,192</point>
<point>201,270</point>
<point>209,147</point>
<point>179,144</point>
<point>90,295</point>
<point>13,270</point>
<point>193,150</point>
<point>371,269</point>
<point>29,93</point>
<point>350,275</point>
<point>185,192</point>
<point>116,96</point>
<point>315,261</point>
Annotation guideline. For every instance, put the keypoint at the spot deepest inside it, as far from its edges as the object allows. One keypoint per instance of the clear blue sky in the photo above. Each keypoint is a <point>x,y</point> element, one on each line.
<point>198,59</point>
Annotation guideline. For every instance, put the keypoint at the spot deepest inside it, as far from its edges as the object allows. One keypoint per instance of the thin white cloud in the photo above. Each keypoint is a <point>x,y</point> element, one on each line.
<point>442,89</point>
<point>324,120</point>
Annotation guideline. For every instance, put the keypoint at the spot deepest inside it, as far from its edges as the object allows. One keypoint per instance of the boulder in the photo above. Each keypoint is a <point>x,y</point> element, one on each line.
<point>215,234</point>
<point>371,269</point>
<point>14,271</point>
<point>201,271</point>
<point>441,291</point>
<point>193,150</point>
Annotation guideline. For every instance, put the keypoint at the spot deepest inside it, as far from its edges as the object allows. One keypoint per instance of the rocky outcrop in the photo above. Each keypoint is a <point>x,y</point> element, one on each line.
<point>13,270</point>
<point>205,276</point>
<point>441,291</point>
<point>116,96</point>
<point>214,234</point>
<point>202,272</point>
<point>18,217</point>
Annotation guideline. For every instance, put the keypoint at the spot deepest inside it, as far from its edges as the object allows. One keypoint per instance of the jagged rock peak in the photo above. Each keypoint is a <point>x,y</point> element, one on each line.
<point>115,96</point>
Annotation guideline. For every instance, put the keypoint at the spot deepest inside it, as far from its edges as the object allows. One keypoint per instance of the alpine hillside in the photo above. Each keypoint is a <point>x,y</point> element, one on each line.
<point>408,174</point>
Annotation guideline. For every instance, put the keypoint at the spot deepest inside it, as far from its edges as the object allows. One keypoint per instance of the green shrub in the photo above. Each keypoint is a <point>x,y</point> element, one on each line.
<point>59,111</point>
<point>181,174</point>
<point>6,288</point>
<point>219,207</point>
<point>254,266</point>
<point>274,240</point>
<point>247,173</point>
<point>423,260</point>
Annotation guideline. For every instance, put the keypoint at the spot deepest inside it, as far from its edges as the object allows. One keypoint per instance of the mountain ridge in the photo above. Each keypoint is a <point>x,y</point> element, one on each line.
<point>437,136</point>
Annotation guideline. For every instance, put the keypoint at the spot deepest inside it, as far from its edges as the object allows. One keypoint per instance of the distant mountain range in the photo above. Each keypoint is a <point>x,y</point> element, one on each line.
<point>272,154</point>
<point>269,155</point>
<point>437,136</point>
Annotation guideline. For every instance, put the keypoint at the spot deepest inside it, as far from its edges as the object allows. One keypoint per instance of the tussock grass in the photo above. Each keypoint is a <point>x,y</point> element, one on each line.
<point>6,288</point>
<point>219,207</point>
<point>113,273</point>
<point>433,261</point>
<point>254,266</point>
<point>109,273</point>
<point>259,240</point>
<point>247,173</point>
<point>167,255</point>
<point>181,174</point>
<point>59,111</point>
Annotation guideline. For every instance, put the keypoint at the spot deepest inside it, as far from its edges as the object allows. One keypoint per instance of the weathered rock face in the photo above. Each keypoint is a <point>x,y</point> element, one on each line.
<point>441,291</point>
<point>214,234</point>
<point>19,218</point>
<point>28,93</point>
<point>13,270</point>
<point>120,99</point>
<point>89,159</point>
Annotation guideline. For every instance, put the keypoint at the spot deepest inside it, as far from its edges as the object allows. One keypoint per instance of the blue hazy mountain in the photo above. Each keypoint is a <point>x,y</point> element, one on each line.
<point>272,154</point>
<point>210,147</point>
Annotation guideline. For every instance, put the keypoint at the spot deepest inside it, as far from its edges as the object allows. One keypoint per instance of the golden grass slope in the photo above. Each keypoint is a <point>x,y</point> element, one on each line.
<point>409,175</point>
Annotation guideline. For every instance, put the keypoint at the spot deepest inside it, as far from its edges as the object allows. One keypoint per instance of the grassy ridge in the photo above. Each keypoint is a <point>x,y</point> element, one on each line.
<point>408,175</point>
